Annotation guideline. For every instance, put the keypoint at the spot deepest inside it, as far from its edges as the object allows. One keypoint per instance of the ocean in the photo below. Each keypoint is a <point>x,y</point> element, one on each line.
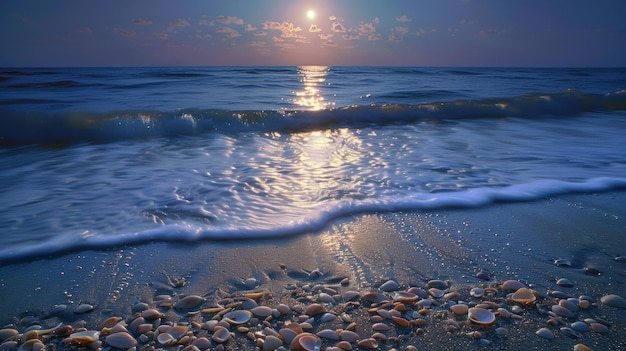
<point>97,158</point>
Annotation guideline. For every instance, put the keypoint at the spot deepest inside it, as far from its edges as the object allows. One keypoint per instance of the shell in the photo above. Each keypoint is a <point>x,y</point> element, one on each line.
<point>349,336</point>
<point>562,311</point>
<point>481,316</point>
<point>524,296</point>
<point>271,343</point>
<point>151,313</point>
<point>189,302</point>
<point>614,301</point>
<point>328,334</point>
<point>306,342</point>
<point>404,297</point>
<point>545,333</point>
<point>477,292</point>
<point>370,343</point>
<point>121,340</point>
<point>436,293</point>
<point>84,308</point>
<point>221,335</point>
<point>261,311</point>
<point>599,328</point>
<point>7,333</point>
<point>85,337</point>
<point>459,309</point>
<point>565,283</point>
<point>389,285</point>
<point>512,285</point>
<point>401,321</point>
<point>178,331</point>
<point>374,297</point>
<point>166,339</point>
<point>580,326</point>
<point>581,347</point>
<point>237,317</point>
<point>438,284</point>
<point>314,309</point>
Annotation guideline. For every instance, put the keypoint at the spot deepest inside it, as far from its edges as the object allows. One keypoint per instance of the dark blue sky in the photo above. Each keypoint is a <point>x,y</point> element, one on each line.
<point>340,32</point>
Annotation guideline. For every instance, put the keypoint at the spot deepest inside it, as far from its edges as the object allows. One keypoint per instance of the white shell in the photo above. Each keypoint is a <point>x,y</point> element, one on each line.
<point>480,316</point>
<point>237,317</point>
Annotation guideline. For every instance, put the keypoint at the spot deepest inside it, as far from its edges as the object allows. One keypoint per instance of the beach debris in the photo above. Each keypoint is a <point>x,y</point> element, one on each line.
<point>174,282</point>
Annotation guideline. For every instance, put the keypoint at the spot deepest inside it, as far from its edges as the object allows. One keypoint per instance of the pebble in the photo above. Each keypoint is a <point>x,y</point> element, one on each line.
<point>483,275</point>
<point>84,308</point>
<point>564,282</point>
<point>599,328</point>
<point>613,300</point>
<point>437,284</point>
<point>580,326</point>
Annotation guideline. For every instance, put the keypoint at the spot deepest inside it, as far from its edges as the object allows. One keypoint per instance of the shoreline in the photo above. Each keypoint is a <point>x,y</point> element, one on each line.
<point>518,241</point>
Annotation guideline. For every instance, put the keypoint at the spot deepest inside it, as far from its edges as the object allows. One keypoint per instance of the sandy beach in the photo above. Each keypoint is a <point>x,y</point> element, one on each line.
<point>466,249</point>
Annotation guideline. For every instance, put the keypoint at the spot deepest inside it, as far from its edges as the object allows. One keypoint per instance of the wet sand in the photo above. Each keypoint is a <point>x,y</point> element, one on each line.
<point>519,241</point>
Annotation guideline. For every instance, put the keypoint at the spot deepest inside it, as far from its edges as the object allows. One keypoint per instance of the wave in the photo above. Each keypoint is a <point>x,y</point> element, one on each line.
<point>184,231</point>
<point>60,127</point>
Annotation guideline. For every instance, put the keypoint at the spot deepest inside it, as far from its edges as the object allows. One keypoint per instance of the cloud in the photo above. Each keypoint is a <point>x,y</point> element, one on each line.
<point>83,30</point>
<point>228,32</point>
<point>376,20</point>
<point>338,27</point>
<point>401,30</point>
<point>250,28</point>
<point>258,44</point>
<point>350,37</point>
<point>163,36</point>
<point>464,21</point>
<point>332,18</point>
<point>314,28</point>
<point>141,22</point>
<point>327,40</point>
<point>366,29</point>
<point>374,36</point>
<point>124,32</point>
<point>403,18</point>
<point>287,29</point>
<point>181,22</point>
<point>229,20</point>
<point>260,33</point>
<point>394,37</point>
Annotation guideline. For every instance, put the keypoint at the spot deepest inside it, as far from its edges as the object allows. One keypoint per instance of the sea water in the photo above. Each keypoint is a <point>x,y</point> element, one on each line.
<point>102,157</point>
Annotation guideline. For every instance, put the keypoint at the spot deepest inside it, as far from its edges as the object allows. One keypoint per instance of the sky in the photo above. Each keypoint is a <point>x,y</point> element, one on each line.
<point>565,33</point>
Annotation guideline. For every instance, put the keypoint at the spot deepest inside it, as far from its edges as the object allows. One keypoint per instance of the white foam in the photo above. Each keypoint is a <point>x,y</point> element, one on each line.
<point>189,232</point>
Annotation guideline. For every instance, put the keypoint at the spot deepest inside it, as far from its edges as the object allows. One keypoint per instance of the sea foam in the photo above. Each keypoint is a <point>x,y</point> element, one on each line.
<point>192,231</point>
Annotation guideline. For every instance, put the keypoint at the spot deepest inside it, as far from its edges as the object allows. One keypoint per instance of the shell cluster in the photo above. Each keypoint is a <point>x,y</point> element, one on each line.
<point>315,315</point>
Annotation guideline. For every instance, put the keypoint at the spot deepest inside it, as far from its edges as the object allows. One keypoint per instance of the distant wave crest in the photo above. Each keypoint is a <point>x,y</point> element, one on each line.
<point>49,127</point>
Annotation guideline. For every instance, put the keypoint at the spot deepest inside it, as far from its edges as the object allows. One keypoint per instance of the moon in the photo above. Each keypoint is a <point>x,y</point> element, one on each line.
<point>310,14</point>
